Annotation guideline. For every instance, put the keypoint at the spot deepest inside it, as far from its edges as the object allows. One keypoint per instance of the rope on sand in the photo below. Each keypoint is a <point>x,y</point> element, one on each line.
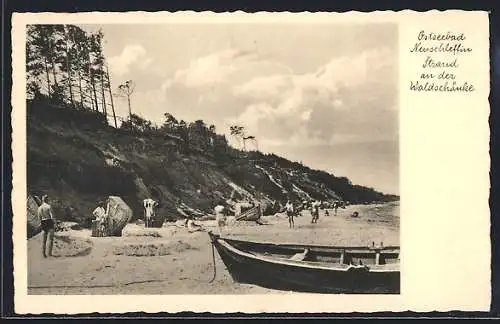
<point>213,260</point>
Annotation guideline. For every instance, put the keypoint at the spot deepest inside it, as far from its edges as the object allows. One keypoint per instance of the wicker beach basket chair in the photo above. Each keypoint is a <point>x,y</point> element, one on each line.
<point>118,216</point>
<point>33,223</point>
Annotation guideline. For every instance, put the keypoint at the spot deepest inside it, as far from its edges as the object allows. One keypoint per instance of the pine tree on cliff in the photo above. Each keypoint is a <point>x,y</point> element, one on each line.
<point>45,53</point>
<point>108,81</point>
<point>126,90</point>
<point>240,133</point>
<point>198,134</point>
<point>99,67</point>
<point>67,66</point>
<point>78,37</point>
<point>54,51</point>
<point>84,40</point>
<point>170,125</point>
<point>59,54</point>
<point>93,46</point>
<point>37,64</point>
<point>40,54</point>
<point>183,133</point>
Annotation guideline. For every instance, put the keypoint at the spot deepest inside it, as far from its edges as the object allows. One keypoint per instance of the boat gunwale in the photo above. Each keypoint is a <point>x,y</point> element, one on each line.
<point>296,263</point>
<point>386,249</point>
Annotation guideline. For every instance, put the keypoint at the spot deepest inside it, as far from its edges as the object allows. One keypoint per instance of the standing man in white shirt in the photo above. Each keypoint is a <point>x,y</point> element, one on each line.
<point>48,223</point>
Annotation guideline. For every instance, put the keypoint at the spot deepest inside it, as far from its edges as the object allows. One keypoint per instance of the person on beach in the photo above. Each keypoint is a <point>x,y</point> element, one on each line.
<point>220,217</point>
<point>192,226</point>
<point>100,216</point>
<point>336,206</point>
<point>315,212</point>
<point>48,223</point>
<point>260,213</point>
<point>305,205</point>
<point>149,211</point>
<point>310,207</point>
<point>290,213</point>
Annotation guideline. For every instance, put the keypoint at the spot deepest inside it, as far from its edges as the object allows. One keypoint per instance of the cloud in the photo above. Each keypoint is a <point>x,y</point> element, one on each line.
<point>312,107</point>
<point>145,63</point>
<point>346,99</point>
<point>130,55</point>
<point>209,70</point>
<point>261,88</point>
<point>228,66</point>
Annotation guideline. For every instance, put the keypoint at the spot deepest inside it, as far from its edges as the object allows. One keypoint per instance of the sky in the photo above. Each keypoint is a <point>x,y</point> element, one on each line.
<point>322,94</point>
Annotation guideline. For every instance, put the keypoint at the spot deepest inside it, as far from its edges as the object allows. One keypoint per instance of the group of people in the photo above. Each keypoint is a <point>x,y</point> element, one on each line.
<point>290,208</point>
<point>48,222</point>
<point>293,210</point>
<point>101,214</point>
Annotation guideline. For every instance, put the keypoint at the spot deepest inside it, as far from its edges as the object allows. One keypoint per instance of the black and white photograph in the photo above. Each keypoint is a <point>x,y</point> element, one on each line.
<point>212,158</point>
<point>246,163</point>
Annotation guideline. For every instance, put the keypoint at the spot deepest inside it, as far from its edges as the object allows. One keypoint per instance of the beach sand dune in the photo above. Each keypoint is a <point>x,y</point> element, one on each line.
<point>170,260</point>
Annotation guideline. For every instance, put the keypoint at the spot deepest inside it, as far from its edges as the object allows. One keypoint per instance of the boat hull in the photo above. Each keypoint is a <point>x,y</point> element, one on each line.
<point>273,275</point>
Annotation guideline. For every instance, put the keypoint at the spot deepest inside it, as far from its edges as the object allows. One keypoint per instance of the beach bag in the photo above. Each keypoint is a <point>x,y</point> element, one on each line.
<point>98,230</point>
<point>33,223</point>
<point>119,214</point>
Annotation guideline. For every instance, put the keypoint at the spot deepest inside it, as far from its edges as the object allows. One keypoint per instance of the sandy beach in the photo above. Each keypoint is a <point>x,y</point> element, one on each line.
<point>170,260</point>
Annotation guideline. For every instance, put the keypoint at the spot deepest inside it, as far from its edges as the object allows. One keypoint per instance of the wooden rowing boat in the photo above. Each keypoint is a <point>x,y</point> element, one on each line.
<point>247,213</point>
<point>309,268</point>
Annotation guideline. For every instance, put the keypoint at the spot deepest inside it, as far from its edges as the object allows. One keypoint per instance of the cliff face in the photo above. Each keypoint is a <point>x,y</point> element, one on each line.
<point>76,158</point>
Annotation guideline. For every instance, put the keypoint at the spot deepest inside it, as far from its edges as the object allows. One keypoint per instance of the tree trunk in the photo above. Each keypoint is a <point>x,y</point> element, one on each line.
<point>51,55</point>
<point>92,82</point>
<point>104,110</point>
<point>68,67</point>
<point>129,108</point>
<point>48,76</point>
<point>54,69</point>
<point>54,73</point>
<point>93,99</point>
<point>82,98</point>
<point>111,96</point>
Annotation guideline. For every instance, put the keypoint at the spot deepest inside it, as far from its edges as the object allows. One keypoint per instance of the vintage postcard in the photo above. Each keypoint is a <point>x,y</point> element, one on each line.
<point>251,162</point>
